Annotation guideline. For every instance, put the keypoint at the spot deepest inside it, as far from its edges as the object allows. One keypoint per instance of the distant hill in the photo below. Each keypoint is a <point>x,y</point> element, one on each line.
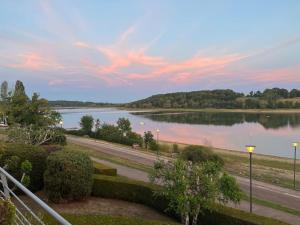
<point>63,103</point>
<point>222,98</point>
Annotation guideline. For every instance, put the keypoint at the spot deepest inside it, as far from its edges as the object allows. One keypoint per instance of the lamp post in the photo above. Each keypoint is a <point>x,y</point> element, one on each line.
<point>61,123</point>
<point>157,134</point>
<point>295,145</point>
<point>250,149</point>
<point>142,125</point>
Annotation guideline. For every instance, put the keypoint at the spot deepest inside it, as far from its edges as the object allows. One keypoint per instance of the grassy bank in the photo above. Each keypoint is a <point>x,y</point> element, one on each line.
<point>108,157</point>
<point>270,169</point>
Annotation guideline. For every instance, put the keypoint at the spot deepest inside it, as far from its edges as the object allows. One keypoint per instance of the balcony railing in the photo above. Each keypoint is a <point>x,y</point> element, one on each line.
<point>24,214</point>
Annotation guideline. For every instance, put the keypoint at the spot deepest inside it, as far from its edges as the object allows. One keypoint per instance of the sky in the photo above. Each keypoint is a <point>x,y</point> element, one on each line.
<point>124,50</point>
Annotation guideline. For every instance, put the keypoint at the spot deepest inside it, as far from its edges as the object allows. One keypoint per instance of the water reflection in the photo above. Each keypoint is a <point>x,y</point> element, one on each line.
<point>268,121</point>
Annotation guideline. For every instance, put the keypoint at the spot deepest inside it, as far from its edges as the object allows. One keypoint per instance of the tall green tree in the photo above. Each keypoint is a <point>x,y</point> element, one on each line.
<point>148,138</point>
<point>4,90</point>
<point>87,124</point>
<point>192,188</point>
<point>124,125</point>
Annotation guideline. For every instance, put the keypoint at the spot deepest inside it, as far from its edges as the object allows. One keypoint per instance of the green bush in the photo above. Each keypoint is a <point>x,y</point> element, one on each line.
<point>69,176</point>
<point>196,153</point>
<point>104,220</point>
<point>128,190</point>
<point>7,212</point>
<point>19,153</point>
<point>141,192</point>
<point>104,170</point>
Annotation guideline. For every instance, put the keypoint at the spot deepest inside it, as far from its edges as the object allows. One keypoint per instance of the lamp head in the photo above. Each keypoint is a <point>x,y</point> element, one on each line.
<point>157,130</point>
<point>250,148</point>
<point>142,123</point>
<point>295,144</point>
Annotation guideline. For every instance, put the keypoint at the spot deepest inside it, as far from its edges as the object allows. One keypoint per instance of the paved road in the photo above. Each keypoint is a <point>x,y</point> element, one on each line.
<point>282,196</point>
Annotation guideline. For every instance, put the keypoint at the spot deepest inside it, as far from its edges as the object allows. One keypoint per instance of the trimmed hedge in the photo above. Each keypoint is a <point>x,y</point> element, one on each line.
<point>141,192</point>
<point>35,155</point>
<point>104,220</point>
<point>104,169</point>
<point>69,176</point>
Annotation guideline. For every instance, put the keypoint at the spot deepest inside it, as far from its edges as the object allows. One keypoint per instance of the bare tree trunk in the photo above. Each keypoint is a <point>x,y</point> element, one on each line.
<point>195,219</point>
<point>185,219</point>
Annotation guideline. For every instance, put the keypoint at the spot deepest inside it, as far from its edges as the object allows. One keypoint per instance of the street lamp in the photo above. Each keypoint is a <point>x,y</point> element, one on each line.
<point>157,134</point>
<point>250,149</point>
<point>142,124</point>
<point>295,145</point>
<point>61,123</point>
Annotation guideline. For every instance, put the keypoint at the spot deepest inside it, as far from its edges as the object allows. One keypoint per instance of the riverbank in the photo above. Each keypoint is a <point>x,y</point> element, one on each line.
<point>213,110</point>
<point>266,168</point>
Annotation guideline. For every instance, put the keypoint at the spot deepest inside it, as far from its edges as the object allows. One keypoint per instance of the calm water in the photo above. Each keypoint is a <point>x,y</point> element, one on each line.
<point>271,133</point>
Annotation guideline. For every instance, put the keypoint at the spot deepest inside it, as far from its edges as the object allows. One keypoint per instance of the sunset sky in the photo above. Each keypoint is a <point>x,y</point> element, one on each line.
<point>119,51</point>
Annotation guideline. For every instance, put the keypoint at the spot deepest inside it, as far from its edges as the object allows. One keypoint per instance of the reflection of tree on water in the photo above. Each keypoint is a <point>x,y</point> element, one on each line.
<point>272,121</point>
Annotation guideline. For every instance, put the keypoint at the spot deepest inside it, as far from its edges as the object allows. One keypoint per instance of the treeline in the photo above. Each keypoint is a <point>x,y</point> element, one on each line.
<point>68,104</point>
<point>227,99</point>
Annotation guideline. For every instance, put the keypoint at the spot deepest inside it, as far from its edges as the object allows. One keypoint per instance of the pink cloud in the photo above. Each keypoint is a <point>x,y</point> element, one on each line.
<point>80,44</point>
<point>34,61</point>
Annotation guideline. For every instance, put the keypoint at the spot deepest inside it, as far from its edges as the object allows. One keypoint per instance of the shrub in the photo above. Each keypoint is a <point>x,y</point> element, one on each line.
<point>69,176</point>
<point>128,190</point>
<point>196,153</point>
<point>104,170</point>
<point>141,192</point>
<point>35,155</point>
<point>7,212</point>
<point>164,148</point>
<point>154,146</point>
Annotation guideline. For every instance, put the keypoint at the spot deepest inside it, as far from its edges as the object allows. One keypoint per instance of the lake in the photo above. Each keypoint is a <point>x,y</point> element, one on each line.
<point>271,133</point>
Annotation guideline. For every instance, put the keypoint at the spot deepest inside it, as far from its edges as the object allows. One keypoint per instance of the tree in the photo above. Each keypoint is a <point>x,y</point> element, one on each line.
<point>4,91</point>
<point>148,138</point>
<point>124,125</point>
<point>192,188</point>
<point>97,124</point>
<point>87,124</point>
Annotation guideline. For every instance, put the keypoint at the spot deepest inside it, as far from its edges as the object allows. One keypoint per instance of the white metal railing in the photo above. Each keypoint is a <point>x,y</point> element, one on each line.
<point>25,215</point>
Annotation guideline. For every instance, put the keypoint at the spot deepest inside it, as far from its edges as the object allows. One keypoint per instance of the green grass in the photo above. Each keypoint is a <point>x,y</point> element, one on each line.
<point>104,220</point>
<point>108,157</point>
<point>273,205</point>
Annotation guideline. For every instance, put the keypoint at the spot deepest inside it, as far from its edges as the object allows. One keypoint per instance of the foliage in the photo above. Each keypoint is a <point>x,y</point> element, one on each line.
<point>26,168</point>
<point>141,192</point>
<point>196,153</point>
<point>148,138</point>
<point>30,135</point>
<point>124,125</point>
<point>15,154</point>
<point>4,91</point>
<point>192,188</point>
<point>61,103</point>
<point>25,111</point>
<point>113,133</point>
<point>87,124</point>
<point>104,169</point>
<point>104,220</point>
<point>154,146</point>
<point>69,176</point>
<point>228,99</point>
<point>7,212</point>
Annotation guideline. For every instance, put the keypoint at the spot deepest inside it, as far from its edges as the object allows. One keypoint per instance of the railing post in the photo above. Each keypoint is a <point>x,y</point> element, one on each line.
<point>4,185</point>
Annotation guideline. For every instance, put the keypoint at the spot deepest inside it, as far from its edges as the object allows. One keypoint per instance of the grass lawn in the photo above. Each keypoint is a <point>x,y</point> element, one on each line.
<point>105,220</point>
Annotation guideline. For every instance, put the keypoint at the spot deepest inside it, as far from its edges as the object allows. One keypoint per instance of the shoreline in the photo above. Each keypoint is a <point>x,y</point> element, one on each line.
<point>212,110</point>
<point>235,152</point>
